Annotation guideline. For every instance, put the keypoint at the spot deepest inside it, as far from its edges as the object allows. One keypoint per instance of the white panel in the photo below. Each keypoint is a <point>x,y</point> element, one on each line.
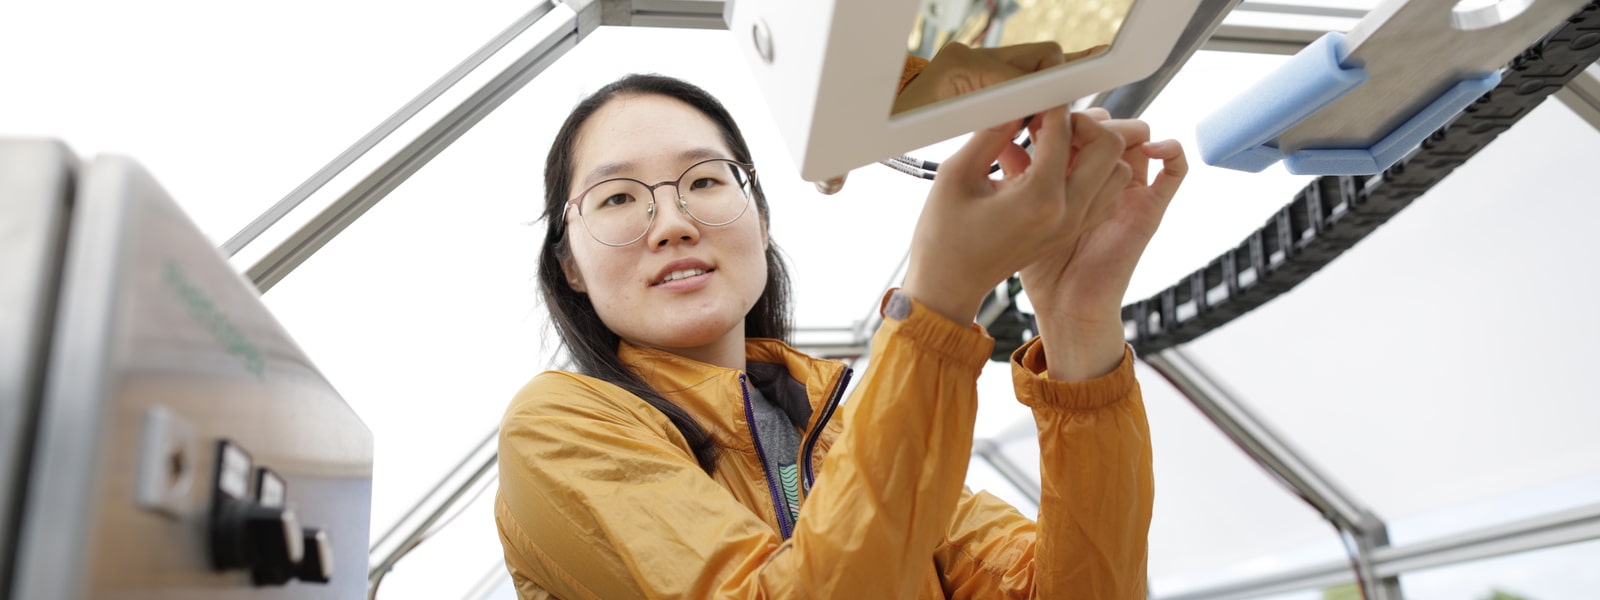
<point>833,67</point>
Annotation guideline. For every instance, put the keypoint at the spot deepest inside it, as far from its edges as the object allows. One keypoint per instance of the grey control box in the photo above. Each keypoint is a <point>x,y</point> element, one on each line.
<point>165,437</point>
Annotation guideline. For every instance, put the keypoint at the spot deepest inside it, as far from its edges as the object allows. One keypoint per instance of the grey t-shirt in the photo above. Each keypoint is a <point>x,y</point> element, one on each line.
<point>780,445</point>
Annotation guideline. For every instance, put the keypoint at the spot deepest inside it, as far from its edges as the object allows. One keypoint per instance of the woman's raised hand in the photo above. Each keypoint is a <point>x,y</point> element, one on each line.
<point>1077,293</point>
<point>975,231</point>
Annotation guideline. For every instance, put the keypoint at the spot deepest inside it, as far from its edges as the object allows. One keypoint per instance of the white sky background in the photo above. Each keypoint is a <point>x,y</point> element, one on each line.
<point>1437,371</point>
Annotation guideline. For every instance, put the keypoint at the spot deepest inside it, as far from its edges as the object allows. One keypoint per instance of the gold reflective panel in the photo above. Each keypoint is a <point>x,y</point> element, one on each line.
<point>1001,40</point>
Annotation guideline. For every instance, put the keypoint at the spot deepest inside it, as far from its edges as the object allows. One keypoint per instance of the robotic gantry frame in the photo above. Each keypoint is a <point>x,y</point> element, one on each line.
<point>325,474</point>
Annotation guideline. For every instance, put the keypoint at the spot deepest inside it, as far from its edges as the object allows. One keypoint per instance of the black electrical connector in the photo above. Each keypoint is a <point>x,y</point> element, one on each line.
<point>927,169</point>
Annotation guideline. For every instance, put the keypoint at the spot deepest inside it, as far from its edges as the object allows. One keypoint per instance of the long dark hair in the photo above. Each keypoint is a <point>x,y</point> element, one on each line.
<point>592,345</point>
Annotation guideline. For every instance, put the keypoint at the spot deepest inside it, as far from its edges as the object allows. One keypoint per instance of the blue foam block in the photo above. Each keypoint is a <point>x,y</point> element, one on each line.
<point>1393,147</point>
<point>1241,134</point>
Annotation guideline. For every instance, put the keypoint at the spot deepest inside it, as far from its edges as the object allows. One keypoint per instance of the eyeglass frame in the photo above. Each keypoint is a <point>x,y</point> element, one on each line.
<point>749,169</point>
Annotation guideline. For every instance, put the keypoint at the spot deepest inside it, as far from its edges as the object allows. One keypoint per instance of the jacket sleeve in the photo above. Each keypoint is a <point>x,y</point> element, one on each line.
<point>1094,515</point>
<point>600,500</point>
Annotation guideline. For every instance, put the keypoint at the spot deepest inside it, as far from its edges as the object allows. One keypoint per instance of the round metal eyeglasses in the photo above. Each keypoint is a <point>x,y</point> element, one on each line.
<point>713,192</point>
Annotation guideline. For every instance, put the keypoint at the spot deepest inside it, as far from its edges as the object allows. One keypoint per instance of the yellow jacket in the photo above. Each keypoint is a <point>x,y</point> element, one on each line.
<point>601,497</point>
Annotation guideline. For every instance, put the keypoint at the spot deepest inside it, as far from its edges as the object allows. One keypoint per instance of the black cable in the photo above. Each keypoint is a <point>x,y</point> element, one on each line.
<point>927,169</point>
<point>909,169</point>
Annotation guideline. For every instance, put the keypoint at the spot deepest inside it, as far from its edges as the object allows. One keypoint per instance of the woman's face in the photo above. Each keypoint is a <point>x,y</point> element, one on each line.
<point>653,138</point>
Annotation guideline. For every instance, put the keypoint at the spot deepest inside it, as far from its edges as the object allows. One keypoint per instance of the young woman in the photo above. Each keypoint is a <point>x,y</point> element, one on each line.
<point>695,455</point>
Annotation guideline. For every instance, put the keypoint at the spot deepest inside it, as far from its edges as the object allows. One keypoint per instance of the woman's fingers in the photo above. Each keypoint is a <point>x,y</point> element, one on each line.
<point>1054,140</point>
<point>1134,134</point>
<point>1014,160</point>
<point>1174,167</point>
<point>1099,153</point>
<point>1105,200</point>
<point>970,165</point>
<point>1086,53</point>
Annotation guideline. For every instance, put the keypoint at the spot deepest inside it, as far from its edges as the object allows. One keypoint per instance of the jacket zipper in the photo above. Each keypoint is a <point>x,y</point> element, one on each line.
<point>816,431</point>
<point>766,473</point>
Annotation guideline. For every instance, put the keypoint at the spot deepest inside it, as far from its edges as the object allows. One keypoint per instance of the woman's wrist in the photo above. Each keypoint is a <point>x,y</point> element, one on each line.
<point>941,298</point>
<point>1081,349</point>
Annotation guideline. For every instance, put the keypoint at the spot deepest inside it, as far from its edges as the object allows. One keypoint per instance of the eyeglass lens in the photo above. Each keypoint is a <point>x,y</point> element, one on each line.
<point>619,211</point>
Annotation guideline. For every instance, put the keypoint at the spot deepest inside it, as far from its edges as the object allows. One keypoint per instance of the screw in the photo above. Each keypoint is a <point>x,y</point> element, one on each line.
<point>175,466</point>
<point>763,39</point>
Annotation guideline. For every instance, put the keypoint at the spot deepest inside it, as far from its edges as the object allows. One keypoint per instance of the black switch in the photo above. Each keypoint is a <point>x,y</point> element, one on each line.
<point>256,532</point>
<point>317,567</point>
<point>265,539</point>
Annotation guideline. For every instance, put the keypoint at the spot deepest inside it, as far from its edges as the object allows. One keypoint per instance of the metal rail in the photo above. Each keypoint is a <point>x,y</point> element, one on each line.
<point>1301,10</point>
<point>1224,409</point>
<point>1130,100</point>
<point>989,451</point>
<point>1565,527</point>
<point>1582,95</point>
<point>369,141</point>
<point>287,256</point>
<point>1260,40</point>
<point>443,498</point>
<point>1257,439</point>
<point>680,14</point>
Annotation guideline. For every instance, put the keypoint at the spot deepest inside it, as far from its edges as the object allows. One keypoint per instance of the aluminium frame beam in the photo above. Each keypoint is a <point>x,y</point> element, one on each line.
<point>1241,424</point>
<point>1274,453</point>
<point>989,451</point>
<point>1255,39</point>
<point>1570,526</point>
<point>429,513</point>
<point>1582,95</point>
<point>378,134</point>
<point>1130,101</point>
<point>680,14</point>
<point>1205,31</point>
<point>376,185</point>
<point>1301,10</point>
